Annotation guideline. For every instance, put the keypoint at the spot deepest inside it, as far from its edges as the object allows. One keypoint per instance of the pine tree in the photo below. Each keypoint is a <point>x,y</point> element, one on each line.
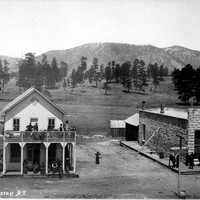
<point>126,75</point>
<point>95,66</point>
<point>64,84</point>
<point>55,69</point>
<point>134,73</point>
<point>141,75</point>
<point>27,71</point>
<point>108,73</point>
<point>128,84</point>
<point>155,74</point>
<point>1,68</point>
<point>117,72</point>
<point>161,73</point>
<point>186,82</point>
<point>196,82</point>
<point>74,78</point>
<point>63,70</point>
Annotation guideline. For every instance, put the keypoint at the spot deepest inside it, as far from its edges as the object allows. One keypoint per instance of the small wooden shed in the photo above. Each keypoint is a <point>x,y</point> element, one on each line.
<point>117,128</point>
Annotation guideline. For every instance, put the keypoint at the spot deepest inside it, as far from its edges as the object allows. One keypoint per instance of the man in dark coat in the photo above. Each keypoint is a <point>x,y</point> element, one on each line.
<point>29,127</point>
<point>35,127</point>
<point>177,161</point>
<point>191,161</point>
<point>98,156</point>
<point>172,159</point>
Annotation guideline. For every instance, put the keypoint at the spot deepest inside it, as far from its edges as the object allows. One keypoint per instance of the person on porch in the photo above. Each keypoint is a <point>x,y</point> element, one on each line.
<point>61,127</point>
<point>29,127</point>
<point>66,125</point>
<point>35,127</point>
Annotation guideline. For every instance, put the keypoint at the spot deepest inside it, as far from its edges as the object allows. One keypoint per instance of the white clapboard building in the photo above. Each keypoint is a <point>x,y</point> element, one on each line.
<point>33,137</point>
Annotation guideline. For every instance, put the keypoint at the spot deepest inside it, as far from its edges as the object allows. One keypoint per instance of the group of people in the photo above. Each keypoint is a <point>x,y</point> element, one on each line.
<point>31,127</point>
<point>189,160</point>
<point>63,127</point>
<point>174,160</point>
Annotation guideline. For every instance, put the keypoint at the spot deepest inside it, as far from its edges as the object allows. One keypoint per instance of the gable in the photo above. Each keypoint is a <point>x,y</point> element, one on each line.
<point>36,111</point>
<point>29,99</point>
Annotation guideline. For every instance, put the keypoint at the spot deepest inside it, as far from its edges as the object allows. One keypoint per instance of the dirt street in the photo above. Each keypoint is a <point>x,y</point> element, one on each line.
<point>122,173</point>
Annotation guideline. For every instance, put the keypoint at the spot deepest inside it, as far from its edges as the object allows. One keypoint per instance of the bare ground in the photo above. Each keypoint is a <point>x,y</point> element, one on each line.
<point>122,173</point>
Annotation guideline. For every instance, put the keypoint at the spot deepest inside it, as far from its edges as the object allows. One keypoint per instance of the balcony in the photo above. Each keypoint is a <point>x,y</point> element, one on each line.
<point>40,136</point>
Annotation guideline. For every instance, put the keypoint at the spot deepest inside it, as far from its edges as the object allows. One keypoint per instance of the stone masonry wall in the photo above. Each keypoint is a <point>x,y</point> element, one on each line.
<point>166,127</point>
<point>193,125</point>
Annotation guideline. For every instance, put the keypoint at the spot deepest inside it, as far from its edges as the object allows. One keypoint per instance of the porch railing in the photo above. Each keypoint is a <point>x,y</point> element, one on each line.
<point>39,136</point>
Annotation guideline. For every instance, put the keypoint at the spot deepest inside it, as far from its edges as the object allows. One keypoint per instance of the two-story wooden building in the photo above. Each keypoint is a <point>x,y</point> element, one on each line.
<point>33,136</point>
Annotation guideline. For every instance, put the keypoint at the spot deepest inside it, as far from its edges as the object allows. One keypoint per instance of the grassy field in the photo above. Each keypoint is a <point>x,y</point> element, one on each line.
<point>90,111</point>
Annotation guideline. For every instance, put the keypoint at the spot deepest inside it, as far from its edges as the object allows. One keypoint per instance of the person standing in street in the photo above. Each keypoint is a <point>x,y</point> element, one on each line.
<point>98,157</point>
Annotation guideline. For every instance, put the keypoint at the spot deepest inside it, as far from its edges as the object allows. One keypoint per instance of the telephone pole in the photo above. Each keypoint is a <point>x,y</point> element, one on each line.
<point>179,170</point>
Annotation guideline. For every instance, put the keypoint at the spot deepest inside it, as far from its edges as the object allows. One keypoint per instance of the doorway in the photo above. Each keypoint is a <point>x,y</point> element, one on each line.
<point>197,143</point>
<point>52,153</point>
<point>33,153</point>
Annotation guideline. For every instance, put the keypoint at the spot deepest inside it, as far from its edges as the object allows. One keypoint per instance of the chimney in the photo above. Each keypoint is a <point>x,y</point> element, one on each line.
<point>143,104</point>
<point>162,109</point>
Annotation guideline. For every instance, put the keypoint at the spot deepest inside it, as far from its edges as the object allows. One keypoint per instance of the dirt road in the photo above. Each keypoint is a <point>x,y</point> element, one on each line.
<point>122,173</point>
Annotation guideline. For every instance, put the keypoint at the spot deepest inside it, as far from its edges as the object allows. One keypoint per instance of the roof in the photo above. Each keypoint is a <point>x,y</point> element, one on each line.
<point>22,96</point>
<point>133,120</point>
<point>171,112</point>
<point>117,124</point>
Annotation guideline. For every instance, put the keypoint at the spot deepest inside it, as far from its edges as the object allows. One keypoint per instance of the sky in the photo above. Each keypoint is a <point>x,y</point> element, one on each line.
<point>42,25</point>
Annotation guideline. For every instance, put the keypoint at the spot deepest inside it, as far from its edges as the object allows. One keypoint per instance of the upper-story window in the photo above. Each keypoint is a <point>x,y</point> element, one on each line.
<point>51,124</point>
<point>16,124</point>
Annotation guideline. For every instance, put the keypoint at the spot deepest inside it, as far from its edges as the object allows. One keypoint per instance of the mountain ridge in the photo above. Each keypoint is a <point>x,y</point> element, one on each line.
<point>172,57</point>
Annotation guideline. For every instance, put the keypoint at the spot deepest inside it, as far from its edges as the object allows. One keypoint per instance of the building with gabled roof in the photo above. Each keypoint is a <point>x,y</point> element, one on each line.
<point>35,135</point>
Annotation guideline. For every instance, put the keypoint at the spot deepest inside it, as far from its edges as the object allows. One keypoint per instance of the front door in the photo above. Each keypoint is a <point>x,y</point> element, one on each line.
<point>52,152</point>
<point>33,153</point>
<point>197,142</point>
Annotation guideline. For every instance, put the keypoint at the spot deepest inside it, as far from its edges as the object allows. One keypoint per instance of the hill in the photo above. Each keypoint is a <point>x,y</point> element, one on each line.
<point>12,63</point>
<point>184,55</point>
<point>175,56</point>
<point>119,52</point>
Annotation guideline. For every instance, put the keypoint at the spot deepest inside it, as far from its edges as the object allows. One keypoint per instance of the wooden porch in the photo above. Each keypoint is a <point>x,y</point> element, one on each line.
<point>37,158</point>
<point>40,136</point>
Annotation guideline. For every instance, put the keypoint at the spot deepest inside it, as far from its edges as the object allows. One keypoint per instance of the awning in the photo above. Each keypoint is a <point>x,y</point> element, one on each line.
<point>133,120</point>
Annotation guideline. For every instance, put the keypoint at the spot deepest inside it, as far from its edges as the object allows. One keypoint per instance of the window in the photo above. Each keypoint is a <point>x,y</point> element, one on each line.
<point>16,124</point>
<point>144,131</point>
<point>34,121</point>
<point>51,124</point>
<point>15,153</point>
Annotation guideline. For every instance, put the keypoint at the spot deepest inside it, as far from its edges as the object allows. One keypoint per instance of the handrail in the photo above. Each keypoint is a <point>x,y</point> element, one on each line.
<point>46,136</point>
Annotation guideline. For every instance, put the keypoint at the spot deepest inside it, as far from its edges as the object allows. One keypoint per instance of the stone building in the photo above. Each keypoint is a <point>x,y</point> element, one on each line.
<point>159,128</point>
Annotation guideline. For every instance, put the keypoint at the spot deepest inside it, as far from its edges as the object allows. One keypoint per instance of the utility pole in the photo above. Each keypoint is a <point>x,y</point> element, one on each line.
<point>179,170</point>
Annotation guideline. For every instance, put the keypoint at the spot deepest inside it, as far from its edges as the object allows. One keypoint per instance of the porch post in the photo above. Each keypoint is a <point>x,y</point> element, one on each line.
<point>47,156</point>
<point>22,156</point>
<point>63,154</point>
<point>74,157</point>
<point>4,156</point>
